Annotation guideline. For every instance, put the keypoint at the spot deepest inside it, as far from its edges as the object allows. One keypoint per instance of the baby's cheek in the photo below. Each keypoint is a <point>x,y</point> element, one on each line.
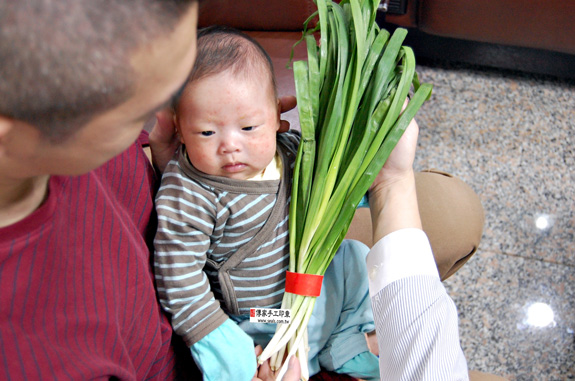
<point>267,148</point>
<point>199,159</point>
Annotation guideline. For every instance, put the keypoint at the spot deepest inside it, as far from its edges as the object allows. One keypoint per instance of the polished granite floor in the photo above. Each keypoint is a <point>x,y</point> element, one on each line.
<point>510,137</point>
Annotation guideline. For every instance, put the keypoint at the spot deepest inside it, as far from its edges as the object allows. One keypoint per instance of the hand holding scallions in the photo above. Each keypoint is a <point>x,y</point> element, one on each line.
<point>265,373</point>
<point>392,197</point>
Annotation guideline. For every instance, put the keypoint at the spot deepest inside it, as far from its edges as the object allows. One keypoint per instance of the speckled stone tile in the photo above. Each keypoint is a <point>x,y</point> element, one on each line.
<point>510,137</point>
<point>495,295</point>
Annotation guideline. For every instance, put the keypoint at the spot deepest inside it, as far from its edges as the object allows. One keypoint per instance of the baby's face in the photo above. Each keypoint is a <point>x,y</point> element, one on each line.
<point>229,125</point>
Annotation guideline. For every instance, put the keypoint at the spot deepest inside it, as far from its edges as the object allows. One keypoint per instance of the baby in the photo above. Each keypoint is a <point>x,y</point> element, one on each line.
<point>223,206</point>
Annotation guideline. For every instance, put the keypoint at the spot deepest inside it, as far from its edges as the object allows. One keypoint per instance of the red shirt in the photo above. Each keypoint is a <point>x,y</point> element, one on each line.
<point>77,298</point>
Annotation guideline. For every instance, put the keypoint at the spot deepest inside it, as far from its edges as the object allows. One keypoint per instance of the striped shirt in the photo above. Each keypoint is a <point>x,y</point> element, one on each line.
<point>222,244</point>
<point>415,320</point>
<point>77,298</point>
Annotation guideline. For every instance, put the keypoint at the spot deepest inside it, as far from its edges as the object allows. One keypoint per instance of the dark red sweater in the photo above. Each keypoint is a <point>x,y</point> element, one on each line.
<point>77,298</point>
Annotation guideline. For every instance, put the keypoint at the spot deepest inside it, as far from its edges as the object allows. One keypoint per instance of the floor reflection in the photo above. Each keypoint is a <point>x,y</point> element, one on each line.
<point>538,315</point>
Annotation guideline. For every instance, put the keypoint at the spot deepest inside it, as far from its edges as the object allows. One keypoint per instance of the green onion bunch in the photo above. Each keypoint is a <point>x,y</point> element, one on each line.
<point>350,93</point>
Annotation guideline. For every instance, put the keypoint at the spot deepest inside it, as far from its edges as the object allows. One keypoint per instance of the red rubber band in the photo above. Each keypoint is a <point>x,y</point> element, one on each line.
<point>303,284</point>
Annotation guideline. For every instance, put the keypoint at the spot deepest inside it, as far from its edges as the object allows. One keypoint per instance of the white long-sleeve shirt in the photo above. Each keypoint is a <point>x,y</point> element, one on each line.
<point>416,320</point>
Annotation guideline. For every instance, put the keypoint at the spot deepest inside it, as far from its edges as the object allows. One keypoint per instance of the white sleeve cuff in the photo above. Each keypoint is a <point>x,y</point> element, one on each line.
<point>399,255</point>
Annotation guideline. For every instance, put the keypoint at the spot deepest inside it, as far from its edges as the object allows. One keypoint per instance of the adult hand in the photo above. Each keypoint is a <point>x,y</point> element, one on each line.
<point>265,373</point>
<point>400,162</point>
<point>392,196</point>
<point>164,140</point>
<point>287,103</point>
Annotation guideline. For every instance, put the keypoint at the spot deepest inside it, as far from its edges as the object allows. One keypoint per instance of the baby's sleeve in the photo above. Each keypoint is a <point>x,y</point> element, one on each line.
<point>185,222</point>
<point>226,353</point>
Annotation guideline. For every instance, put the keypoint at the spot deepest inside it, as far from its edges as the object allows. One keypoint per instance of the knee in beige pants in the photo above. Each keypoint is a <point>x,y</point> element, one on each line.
<point>451,215</point>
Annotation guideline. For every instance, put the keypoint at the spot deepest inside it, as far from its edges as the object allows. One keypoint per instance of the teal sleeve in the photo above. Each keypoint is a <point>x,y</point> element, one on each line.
<point>364,366</point>
<point>226,353</point>
<point>364,202</point>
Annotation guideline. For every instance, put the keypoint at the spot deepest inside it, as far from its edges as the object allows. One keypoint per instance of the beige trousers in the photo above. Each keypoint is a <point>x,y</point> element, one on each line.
<point>451,215</point>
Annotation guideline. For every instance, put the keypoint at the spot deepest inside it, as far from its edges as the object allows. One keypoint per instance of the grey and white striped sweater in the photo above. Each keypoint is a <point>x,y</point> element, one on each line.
<point>222,244</point>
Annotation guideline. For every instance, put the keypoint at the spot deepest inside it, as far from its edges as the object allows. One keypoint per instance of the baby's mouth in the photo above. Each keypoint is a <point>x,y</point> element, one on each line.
<point>234,167</point>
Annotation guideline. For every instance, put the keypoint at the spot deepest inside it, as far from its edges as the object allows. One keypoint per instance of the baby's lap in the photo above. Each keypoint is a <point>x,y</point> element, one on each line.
<point>347,272</point>
<point>345,283</point>
<point>351,255</point>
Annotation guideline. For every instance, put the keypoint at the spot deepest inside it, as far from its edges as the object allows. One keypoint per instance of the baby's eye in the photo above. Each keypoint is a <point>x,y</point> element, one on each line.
<point>248,128</point>
<point>207,133</point>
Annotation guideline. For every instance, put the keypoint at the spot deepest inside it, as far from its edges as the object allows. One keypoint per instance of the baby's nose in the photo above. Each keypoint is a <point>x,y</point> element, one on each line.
<point>229,146</point>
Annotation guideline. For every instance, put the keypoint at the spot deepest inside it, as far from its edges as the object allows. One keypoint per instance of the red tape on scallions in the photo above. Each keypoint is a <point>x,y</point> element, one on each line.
<point>303,284</point>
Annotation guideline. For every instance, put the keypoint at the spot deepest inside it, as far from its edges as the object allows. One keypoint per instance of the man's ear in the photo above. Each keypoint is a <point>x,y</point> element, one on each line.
<point>6,125</point>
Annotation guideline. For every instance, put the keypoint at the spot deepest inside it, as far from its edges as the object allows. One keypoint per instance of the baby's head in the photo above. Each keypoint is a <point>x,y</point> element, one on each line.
<point>228,113</point>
